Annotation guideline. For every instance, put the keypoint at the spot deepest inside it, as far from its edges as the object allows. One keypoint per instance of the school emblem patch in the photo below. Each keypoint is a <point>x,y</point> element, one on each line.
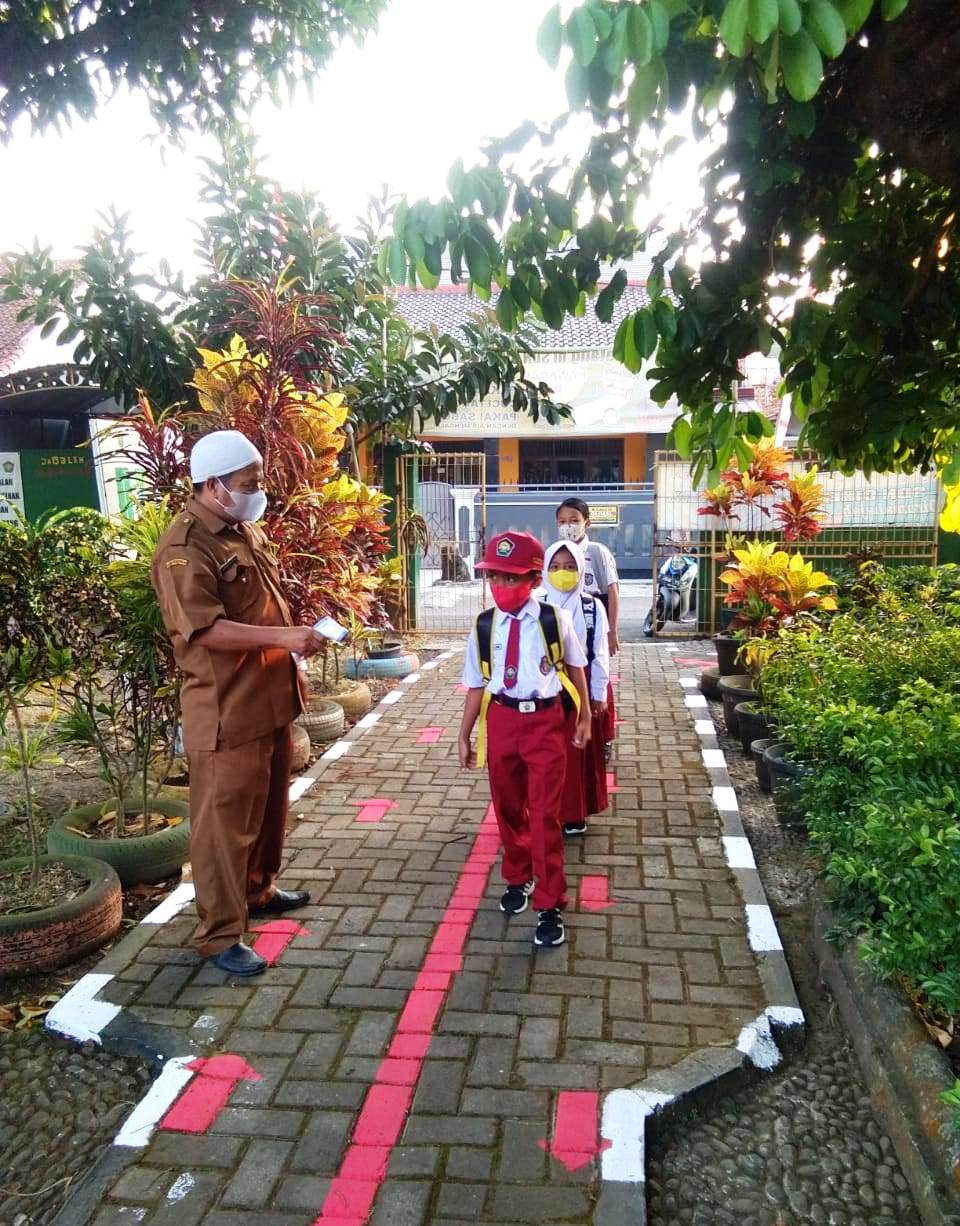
<point>505,547</point>
<point>588,578</point>
<point>544,665</point>
<point>510,674</point>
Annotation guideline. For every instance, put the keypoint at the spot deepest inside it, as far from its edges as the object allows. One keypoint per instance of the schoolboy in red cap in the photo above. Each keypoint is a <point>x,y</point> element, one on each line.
<point>522,659</point>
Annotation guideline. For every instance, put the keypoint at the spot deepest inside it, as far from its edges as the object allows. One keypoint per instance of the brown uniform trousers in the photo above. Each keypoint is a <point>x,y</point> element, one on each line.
<point>237,712</point>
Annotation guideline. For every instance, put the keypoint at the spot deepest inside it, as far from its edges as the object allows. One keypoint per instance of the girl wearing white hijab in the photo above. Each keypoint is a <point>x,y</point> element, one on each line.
<point>585,789</point>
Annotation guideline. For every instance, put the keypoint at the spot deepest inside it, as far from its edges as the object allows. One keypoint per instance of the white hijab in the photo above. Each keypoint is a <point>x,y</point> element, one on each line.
<point>571,601</point>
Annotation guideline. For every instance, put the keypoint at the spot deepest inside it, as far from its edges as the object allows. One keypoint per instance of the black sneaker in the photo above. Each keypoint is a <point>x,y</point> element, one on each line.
<point>549,928</point>
<point>515,899</point>
<point>572,828</point>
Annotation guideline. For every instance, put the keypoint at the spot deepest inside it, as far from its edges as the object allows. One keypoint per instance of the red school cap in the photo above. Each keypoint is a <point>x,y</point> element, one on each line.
<point>515,553</point>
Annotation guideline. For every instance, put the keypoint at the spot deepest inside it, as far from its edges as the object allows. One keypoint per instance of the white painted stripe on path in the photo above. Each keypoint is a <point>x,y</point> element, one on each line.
<point>725,799</point>
<point>762,929</point>
<point>623,1124</point>
<point>139,1125</point>
<point>713,759</point>
<point>172,905</point>
<point>369,720</point>
<point>301,785</point>
<point>738,852</point>
<point>704,727</point>
<point>389,699</point>
<point>695,702</point>
<point>336,750</point>
<point>757,1043</point>
<point>77,1015</point>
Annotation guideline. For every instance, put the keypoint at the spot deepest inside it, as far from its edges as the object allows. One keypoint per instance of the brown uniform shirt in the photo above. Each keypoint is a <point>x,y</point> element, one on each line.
<point>204,569</point>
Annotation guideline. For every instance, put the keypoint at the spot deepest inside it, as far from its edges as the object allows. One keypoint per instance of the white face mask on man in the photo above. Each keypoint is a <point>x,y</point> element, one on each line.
<point>245,508</point>
<point>571,532</point>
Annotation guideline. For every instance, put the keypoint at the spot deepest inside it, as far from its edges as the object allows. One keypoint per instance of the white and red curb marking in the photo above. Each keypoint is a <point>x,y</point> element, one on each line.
<point>363,1169</point>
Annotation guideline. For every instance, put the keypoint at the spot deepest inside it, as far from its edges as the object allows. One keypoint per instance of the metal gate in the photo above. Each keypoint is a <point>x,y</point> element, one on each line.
<point>441,532</point>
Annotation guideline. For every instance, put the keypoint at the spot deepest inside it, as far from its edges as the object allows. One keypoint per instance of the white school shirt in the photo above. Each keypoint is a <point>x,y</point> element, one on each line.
<point>600,664</point>
<point>536,676</point>
<point>601,567</point>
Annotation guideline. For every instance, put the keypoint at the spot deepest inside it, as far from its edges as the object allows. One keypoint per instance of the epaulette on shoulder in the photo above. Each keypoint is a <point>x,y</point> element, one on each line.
<point>179,531</point>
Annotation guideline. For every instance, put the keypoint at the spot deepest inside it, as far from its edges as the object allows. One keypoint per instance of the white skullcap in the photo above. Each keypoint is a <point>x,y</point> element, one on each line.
<point>220,453</point>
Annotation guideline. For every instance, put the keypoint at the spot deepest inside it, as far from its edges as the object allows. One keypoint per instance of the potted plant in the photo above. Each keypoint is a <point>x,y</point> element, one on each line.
<point>53,909</point>
<point>121,704</point>
<point>328,682</point>
<point>368,659</point>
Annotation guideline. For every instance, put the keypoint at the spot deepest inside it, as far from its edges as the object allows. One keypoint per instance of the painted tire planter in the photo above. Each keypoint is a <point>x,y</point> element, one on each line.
<point>356,699</point>
<point>757,749</point>
<point>300,754</point>
<point>734,690</point>
<point>784,775</point>
<point>728,648</point>
<point>44,940</point>
<point>399,666</point>
<point>325,721</point>
<point>710,683</point>
<point>139,860</point>
<point>754,725</point>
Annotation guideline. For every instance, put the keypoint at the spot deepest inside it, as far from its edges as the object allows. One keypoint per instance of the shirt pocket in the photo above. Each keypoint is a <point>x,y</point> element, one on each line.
<point>240,585</point>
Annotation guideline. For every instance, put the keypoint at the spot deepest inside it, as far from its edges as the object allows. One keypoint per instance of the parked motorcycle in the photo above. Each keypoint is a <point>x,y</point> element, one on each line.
<point>676,588</point>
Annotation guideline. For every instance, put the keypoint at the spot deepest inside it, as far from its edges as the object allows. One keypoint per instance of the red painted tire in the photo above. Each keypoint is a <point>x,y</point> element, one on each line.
<point>57,935</point>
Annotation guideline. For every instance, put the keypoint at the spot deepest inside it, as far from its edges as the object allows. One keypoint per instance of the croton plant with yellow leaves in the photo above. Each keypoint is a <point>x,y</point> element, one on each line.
<point>772,590</point>
<point>328,529</point>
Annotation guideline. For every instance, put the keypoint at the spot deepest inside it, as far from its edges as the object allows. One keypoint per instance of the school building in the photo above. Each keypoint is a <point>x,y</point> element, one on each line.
<point>615,428</point>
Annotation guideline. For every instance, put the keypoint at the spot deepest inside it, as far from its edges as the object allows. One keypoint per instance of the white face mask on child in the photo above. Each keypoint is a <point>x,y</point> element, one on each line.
<point>570,532</point>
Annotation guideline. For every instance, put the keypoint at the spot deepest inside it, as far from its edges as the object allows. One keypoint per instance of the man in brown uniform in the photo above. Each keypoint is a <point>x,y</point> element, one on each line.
<point>232,635</point>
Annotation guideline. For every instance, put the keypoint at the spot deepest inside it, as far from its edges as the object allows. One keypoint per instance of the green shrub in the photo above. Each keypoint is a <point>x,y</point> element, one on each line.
<point>884,807</point>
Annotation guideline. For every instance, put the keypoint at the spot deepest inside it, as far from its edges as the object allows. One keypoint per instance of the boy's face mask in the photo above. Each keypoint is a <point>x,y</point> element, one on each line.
<point>511,597</point>
<point>571,532</point>
<point>564,580</point>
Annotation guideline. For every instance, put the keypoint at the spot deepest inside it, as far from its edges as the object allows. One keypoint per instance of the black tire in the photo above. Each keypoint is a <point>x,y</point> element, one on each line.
<point>140,860</point>
<point>389,651</point>
<point>648,625</point>
<point>57,935</point>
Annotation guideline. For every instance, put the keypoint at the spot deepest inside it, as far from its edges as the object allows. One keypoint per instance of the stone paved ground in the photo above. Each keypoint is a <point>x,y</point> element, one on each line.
<point>663,971</point>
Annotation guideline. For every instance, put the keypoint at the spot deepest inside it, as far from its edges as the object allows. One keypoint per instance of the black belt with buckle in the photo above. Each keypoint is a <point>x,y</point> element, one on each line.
<point>525,705</point>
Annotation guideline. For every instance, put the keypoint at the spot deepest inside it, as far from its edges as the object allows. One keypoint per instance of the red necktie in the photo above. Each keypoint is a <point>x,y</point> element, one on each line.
<point>511,665</point>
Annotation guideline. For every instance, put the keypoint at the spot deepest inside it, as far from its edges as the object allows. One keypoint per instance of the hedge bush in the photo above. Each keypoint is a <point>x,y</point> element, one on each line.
<point>872,702</point>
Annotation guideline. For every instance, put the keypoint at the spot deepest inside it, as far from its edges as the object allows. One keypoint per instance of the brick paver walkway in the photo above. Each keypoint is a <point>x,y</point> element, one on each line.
<point>663,971</point>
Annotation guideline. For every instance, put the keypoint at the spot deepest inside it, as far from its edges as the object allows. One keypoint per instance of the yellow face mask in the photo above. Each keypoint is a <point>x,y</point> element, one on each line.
<point>564,580</point>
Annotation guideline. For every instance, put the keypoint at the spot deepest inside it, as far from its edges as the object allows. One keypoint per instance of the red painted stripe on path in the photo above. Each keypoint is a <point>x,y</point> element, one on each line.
<point>353,1191</point>
<point>429,736</point>
<point>612,782</point>
<point>207,1094</point>
<point>594,894</point>
<point>373,810</point>
<point>576,1129</point>
<point>273,938</point>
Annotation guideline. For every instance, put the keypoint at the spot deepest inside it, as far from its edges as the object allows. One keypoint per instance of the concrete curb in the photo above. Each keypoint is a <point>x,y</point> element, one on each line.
<point>904,1070</point>
<point>629,1115</point>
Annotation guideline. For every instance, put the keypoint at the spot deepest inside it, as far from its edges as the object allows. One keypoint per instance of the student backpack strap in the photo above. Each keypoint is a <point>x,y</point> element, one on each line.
<point>484,632</point>
<point>589,606</point>
<point>550,629</point>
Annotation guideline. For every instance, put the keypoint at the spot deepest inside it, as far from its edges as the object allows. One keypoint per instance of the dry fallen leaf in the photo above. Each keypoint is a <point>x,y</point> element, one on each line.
<point>76,830</point>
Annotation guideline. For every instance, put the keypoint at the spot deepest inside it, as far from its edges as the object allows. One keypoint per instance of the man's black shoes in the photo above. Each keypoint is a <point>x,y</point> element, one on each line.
<point>282,900</point>
<point>241,960</point>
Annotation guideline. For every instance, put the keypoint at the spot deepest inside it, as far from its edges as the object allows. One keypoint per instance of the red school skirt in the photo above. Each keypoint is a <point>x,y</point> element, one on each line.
<point>609,730</point>
<point>595,767</point>
<point>585,782</point>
